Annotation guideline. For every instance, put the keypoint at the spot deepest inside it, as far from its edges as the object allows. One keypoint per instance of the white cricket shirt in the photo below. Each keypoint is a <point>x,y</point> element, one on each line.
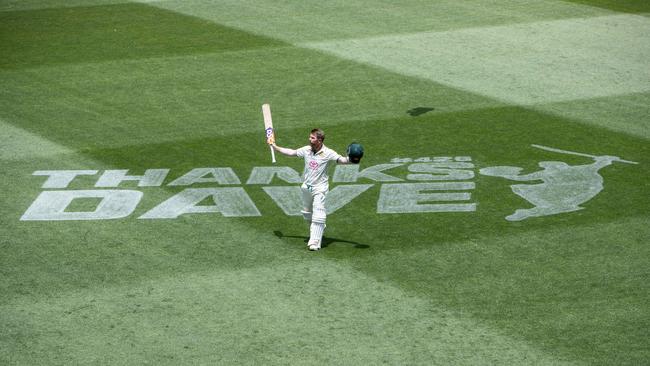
<point>315,173</point>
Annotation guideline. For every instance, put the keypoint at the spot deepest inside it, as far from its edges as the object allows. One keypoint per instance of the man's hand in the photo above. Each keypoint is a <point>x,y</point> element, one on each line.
<point>270,139</point>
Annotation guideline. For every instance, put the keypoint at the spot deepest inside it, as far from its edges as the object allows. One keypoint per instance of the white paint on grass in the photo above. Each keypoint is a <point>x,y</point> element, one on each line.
<point>207,175</point>
<point>230,202</point>
<point>52,205</point>
<point>289,199</point>
<point>61,178</point>
<point>151,178</point>
<point>265,175</point>
<point>440,171</point>
<point>403,198</point>
<point>351,173</point>
<point>561,187</point>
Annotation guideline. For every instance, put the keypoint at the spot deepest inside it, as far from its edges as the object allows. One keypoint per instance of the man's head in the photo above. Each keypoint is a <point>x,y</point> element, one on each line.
<point>316,138</point>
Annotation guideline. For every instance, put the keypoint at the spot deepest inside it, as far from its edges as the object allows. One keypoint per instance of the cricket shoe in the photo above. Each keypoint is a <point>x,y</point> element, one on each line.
<point>314,247</point>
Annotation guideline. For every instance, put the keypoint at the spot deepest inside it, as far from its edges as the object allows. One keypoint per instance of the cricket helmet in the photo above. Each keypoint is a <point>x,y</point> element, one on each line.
<point>355,152</point>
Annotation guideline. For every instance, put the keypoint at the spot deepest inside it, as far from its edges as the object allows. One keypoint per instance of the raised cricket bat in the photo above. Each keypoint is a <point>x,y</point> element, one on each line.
<point>268,126</point>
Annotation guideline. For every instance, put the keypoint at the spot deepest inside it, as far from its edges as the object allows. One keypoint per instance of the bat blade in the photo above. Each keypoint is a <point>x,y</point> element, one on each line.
<point>268,127</point>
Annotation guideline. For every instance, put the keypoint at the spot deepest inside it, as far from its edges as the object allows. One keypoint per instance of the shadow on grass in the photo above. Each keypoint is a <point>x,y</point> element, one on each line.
<point>419,111</point>
<point>325,242</point>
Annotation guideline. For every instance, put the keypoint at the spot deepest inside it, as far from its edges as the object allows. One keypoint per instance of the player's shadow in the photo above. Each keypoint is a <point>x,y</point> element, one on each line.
<point>326,241</point>
<point>419,111</point>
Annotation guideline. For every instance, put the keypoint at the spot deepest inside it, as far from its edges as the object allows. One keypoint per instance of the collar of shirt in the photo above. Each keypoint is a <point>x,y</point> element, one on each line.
<point>322,148</point>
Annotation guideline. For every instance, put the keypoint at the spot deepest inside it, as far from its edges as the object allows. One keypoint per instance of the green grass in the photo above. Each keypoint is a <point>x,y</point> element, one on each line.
<point>111,32</point>
<point>630,6</point>
<point>180,87</point>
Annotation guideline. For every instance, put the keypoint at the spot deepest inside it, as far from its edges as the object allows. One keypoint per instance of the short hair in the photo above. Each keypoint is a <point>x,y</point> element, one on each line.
<point>320,134</point>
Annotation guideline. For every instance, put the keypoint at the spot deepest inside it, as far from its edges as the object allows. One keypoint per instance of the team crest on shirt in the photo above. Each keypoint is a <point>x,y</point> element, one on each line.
<point>313,164</point>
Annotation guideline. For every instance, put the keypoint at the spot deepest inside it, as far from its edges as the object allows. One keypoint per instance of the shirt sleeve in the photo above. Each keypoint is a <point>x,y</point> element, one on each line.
<point>302,151</point>
<point>333,156</point>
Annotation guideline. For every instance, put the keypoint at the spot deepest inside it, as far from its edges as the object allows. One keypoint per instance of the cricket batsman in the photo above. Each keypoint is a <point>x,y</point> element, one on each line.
<point>315,179</point>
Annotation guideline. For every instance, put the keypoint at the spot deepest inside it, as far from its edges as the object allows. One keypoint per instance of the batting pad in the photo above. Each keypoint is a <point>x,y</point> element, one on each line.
<point>320,213</point>
<point>316,233</point>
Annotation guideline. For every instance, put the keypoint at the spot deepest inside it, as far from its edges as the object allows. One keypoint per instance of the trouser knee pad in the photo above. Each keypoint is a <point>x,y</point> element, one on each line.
<point>306,215</point>
<point>319,218</point>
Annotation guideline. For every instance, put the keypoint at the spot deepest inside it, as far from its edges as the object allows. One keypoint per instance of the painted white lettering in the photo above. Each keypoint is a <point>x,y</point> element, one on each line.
<point>230,202</point>
<point>416,197</point>
<point>198,175</point>
<point>428,159</point>
<point>151,178</point>
<point>61,178</point>
<point>441,171</point>
<point>264,175</point>
<point>289,199</point>
<point>401,160</point>
<point>350,173</point>
<point>342,195</point>
<point>424,167</point>
<point>51,205</point>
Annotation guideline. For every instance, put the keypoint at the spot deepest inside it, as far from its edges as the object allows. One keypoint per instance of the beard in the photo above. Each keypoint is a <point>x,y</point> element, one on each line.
<point>316,146</point>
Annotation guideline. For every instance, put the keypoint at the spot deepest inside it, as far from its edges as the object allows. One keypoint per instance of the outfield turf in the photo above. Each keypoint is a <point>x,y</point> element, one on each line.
<point>101,85</point>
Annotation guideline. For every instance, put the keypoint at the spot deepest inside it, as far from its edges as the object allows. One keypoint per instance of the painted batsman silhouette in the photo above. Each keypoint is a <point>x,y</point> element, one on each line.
<point>564,187</point>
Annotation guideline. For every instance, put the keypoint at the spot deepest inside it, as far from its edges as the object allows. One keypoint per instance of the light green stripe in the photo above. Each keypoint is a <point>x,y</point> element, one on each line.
<point>529,64</point>
<point>302,21</point>
<point>522,64</point>
<point>18,144</point>
<point>544,64</point>
<point>623,113</point>
<point>313,312</point>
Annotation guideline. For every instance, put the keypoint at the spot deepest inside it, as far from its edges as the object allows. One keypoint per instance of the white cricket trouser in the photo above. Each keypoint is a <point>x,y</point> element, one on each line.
<point>314,211</point>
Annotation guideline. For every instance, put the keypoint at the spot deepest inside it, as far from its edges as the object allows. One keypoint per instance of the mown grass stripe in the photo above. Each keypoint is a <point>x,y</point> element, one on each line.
<point>576,290</point>
<point>17,5</point>
<point>213,95</point>
<point>18,144</point>
<point>630,6</point>
<point>532,64</point>
<point>252,316</point>
<point>299,22</point>
<point>623,113</point>
<point>111,32</point>
<point>129,257</point>
<point>521,64</point>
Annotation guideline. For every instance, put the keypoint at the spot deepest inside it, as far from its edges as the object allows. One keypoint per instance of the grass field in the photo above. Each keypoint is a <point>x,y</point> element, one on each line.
<point>423,260</point>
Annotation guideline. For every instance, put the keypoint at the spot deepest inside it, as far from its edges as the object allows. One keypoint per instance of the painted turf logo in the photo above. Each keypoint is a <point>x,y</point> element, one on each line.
<point>563,187</point>
<point>431,185</point>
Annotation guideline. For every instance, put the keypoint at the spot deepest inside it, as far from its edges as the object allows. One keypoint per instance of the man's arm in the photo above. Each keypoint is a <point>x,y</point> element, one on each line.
<point>285,151</point>
<point>343,160</point>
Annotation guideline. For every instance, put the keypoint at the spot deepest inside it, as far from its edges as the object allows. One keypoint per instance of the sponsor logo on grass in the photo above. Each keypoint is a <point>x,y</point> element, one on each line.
<point>406,186</point>
<point>558,187</point>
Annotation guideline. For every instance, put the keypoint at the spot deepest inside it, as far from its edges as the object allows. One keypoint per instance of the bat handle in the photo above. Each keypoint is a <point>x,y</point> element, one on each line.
<point>272,154</point>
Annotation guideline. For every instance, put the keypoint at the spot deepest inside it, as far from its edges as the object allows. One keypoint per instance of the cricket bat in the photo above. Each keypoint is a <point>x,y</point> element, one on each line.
<point>268,126</point>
